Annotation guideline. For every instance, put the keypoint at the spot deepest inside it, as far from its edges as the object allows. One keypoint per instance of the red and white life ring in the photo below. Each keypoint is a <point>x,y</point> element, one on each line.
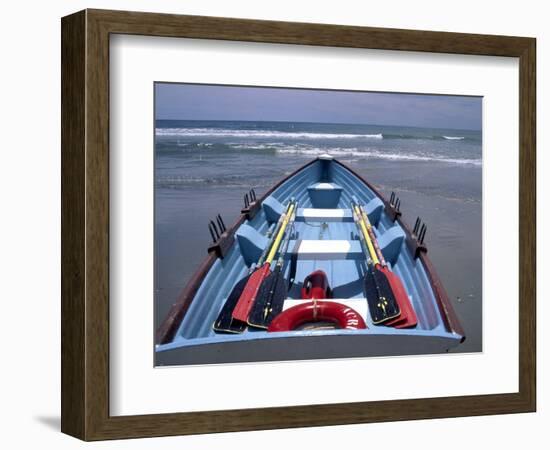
<point>318,311</point>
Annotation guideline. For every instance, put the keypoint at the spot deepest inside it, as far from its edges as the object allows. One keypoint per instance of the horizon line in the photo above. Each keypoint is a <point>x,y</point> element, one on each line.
<point>324,123</point>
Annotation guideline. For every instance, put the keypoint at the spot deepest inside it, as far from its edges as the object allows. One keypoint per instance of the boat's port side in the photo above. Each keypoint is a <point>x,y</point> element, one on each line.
<point>323,237</point>
<point>220,279</point>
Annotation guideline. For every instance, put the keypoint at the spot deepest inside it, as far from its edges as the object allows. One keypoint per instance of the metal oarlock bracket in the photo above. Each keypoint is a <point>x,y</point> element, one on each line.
<point>393,207</point>
<point>416,240</point>
<point>221,239</point>
<point>251,205</point>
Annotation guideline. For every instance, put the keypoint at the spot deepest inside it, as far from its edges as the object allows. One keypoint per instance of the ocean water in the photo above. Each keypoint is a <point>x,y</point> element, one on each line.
<point>203,168</point>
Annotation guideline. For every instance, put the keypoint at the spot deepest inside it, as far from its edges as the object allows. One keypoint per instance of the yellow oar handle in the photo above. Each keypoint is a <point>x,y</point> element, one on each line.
<point>372,252</point>
<point>280,234</point>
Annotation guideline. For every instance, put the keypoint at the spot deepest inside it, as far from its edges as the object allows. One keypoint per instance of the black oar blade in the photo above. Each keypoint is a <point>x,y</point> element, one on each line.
<point>380,298</point>
<point>225,322</point>
<point>270,300</point>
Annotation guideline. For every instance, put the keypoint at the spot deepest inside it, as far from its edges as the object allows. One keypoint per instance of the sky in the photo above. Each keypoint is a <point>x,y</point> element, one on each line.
<point>214,102</point>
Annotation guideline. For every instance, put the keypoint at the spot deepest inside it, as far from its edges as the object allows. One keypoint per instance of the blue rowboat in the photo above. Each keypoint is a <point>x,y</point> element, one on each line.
<point>324,238</point>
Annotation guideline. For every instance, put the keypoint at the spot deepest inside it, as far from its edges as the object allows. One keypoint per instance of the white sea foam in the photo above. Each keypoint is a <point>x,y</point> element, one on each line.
<point>256,146</point>
<point>453,138</point>
<point>217,132</point>
<point>365,154</point>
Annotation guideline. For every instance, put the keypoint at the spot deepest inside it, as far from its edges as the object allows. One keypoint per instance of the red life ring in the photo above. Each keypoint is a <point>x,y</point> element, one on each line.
<point>316,311</point>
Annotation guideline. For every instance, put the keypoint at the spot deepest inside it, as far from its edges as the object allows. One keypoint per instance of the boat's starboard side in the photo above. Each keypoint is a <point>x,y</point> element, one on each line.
<point>445,307</point>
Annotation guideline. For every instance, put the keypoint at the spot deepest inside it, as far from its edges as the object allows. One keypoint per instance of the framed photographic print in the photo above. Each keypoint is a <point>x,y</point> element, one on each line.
<point>250,208</point>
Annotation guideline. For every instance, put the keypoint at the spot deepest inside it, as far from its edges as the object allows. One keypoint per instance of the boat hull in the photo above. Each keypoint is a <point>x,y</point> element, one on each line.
<point>292,347</point>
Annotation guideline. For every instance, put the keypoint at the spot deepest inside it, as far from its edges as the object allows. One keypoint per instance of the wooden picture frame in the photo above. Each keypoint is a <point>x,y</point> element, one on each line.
<point>85,224</point>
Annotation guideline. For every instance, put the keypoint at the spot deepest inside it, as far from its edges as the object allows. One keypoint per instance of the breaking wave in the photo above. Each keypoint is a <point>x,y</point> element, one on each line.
<point>305,149</point>
<point>365,154</point>
<point>217,132</point>
<point>274,134</point>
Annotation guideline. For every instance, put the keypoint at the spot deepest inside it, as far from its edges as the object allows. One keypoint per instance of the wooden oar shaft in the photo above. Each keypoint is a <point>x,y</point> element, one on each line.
<point>280,235</point>
<point>373,237</point>
<point>370,246</point>
<point>286,240</point>
<point>270,242</point>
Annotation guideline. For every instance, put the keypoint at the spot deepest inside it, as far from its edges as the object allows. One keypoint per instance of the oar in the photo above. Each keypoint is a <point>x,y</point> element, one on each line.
<point>407,318</point>
<point>250,291</point>
<point>380,298</point>
<point>225,323</point>
<point>273,291</point>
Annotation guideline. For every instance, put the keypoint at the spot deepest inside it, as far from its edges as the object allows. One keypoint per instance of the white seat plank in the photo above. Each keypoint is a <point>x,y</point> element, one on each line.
<point>324,215</point>
<point>325,249</point>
